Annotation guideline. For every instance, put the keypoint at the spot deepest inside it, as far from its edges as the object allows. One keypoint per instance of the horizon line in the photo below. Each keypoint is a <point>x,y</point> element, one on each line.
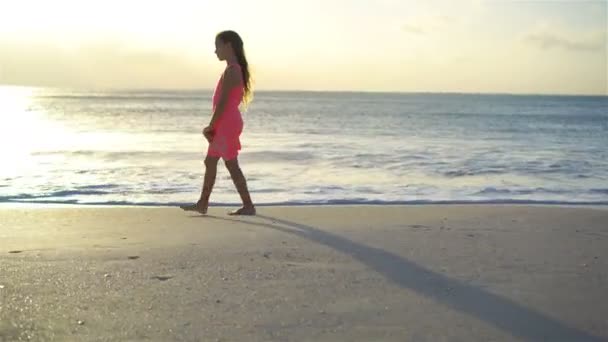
<point>271,90</point>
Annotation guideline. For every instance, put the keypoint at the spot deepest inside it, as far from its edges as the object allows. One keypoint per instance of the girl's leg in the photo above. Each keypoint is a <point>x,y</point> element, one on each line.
<point>241,186</point>
<point>209,180</point>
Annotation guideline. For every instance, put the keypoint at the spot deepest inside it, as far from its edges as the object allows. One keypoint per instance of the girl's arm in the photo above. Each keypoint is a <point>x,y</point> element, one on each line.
<point>231,80</point>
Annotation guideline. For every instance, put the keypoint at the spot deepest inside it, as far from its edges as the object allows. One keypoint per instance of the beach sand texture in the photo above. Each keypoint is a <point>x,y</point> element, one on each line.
<point>305,273</point>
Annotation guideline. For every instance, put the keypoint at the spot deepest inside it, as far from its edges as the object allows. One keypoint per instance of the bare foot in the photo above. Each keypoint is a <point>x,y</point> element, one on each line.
<point>243,211</point>
<point>199,207</point>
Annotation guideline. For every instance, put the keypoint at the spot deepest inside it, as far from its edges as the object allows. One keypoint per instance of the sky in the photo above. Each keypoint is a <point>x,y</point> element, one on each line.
<point>470,46</point>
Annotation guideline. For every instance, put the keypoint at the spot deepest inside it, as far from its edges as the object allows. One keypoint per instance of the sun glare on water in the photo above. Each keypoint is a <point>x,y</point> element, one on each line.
<point>23,131</point>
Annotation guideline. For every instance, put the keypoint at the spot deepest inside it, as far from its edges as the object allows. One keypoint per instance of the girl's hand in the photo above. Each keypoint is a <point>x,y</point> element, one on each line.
<point>208,133</point>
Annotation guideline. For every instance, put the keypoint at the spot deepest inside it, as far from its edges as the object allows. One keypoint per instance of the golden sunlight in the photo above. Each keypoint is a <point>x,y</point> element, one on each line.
<point>17,129</point>
<point>23,130</point>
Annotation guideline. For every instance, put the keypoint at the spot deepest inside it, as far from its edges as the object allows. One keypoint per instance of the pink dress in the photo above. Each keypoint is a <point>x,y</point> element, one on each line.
<point>227,129</point>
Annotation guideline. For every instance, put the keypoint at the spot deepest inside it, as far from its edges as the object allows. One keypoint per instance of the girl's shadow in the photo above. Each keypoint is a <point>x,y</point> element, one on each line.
<point>503,313</point>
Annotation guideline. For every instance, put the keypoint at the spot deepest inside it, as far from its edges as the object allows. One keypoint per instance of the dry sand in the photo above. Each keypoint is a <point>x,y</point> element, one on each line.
<point>331,273</point>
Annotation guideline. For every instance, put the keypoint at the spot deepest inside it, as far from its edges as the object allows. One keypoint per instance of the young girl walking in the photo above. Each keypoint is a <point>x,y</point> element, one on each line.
<point>226,124</point>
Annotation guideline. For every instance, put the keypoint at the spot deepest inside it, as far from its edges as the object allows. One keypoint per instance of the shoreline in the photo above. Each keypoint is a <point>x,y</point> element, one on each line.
<point>593,205</point>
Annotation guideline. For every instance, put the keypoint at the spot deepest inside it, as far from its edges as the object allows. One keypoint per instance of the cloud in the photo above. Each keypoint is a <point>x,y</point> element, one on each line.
<point>547,38</point>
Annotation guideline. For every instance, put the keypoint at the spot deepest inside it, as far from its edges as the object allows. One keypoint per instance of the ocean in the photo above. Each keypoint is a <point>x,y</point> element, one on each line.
<point>146,148</point>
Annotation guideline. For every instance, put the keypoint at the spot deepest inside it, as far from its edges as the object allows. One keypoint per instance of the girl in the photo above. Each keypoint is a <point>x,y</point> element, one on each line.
<point>226,123</point>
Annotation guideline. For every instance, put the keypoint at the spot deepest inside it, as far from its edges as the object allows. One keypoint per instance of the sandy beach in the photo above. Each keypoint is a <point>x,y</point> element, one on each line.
<point>305,273</point>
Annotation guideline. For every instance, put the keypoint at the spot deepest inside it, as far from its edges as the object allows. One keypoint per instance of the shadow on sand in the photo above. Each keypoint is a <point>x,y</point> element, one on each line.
<point>505,314</point>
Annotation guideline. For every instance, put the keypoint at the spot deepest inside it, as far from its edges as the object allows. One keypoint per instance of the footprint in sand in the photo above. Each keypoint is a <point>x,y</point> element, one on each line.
<point>419,226</point>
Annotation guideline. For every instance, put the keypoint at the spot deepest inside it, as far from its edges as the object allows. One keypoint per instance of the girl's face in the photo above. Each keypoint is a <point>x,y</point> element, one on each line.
<point>221,49</point>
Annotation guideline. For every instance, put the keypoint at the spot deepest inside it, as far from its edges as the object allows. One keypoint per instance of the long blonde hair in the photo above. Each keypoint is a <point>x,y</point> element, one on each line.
<point>237,45</point>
